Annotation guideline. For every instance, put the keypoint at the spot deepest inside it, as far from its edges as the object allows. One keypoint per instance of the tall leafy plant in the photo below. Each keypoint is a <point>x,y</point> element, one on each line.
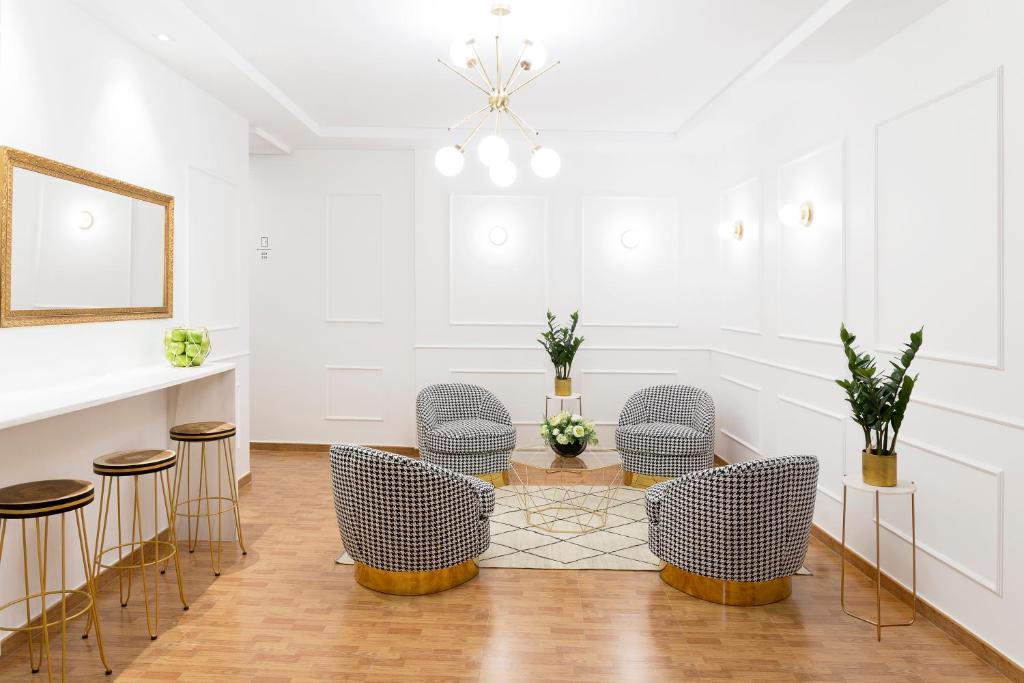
<point>879,401</point>
<point>561,343</point>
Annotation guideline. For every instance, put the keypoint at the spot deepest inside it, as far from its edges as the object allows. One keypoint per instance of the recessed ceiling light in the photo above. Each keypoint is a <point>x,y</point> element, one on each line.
<point>164,38</point>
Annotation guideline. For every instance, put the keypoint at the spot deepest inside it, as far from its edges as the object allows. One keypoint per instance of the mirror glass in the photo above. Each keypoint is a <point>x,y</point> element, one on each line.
<point>75,246</point>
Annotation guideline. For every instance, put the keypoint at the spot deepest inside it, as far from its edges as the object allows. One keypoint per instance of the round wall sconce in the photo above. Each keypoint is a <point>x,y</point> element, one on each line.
<point>794,215</point>
<point>737,230</point>
<point>498,235</point>
<point>85,220</point>
<point>630,239</point>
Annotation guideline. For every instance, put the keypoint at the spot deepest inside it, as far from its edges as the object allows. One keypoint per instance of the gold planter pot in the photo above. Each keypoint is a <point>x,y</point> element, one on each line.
<point>563,387</point>
<point>878,470</point>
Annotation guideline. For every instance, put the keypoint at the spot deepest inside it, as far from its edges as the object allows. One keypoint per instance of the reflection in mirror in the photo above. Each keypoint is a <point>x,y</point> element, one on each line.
<point>80,247</point>
<point>76,246</point>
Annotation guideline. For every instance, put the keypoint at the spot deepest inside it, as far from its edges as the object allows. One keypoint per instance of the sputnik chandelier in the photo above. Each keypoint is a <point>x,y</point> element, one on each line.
<point>493,150</point>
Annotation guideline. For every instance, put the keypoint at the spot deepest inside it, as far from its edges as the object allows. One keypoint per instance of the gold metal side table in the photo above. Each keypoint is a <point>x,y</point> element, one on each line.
<point>903,488</point>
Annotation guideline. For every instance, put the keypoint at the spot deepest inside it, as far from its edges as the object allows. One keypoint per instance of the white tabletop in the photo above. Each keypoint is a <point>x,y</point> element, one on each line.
<point>902,488</point>
<point>21,407</point>
<point>570,397</point>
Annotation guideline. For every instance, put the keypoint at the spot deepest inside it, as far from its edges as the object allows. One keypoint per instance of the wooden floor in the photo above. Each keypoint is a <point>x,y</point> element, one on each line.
<point>286,612</point>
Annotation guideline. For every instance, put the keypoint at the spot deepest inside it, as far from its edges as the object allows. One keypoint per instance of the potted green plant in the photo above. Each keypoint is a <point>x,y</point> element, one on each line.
<point>568,434</point>
<point>561,343</point>
<point>879,403</point>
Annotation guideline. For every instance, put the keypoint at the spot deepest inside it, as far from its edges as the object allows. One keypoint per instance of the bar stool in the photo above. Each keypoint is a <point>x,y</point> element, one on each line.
<point>135,464</point>
<point>41,500</point>
<point>203,433</point>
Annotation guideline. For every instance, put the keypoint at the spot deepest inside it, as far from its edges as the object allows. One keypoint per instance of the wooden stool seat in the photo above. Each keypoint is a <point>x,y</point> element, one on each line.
<point>204,503</point>
<point>128,463</point>
<point>202,431</point>
<point>43,498</point>
<point>36,504</point>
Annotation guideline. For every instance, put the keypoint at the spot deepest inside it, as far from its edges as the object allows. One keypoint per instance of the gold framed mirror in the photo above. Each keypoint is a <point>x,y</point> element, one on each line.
<point>78,247</point>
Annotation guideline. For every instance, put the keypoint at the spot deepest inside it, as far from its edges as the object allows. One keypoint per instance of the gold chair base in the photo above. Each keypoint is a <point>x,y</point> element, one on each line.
<point>735,593</point>
<point>642,481</point>
<point>415,583</point>
<point>496,479</point>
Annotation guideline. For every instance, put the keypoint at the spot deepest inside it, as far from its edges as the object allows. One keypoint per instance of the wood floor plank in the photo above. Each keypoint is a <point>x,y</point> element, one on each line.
<point>286,613</point>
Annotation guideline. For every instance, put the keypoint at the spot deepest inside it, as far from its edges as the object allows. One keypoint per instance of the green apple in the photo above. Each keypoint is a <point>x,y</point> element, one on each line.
<point>192,350</point>
<point>169,355</point>
<point>195,336</point>
<point>181,361</point>
<point>178,335</point>
<point>205,346</point>
<point>177,348</point>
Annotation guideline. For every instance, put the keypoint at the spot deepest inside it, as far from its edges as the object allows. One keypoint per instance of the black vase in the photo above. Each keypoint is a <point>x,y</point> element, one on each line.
<point>570,450</point>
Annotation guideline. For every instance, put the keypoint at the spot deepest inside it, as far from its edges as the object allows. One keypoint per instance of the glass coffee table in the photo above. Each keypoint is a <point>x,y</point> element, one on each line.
<point>566,495</point>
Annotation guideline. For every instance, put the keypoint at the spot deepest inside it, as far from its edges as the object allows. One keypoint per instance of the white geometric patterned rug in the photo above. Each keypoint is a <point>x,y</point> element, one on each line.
<point>620,545</point>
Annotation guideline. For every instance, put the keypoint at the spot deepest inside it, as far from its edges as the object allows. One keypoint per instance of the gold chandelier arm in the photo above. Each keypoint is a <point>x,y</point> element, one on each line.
<point>483,72</point>
<point>463,76</point>
<point>526,83</point>
<point>520,125</point>
<point>516,68</point>
<point>497,58</point>
<point>472,133</point>
<point>467,117</point>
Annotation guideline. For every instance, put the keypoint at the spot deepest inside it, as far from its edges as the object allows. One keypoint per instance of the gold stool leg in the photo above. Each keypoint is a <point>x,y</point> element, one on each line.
<point>120,550</point>
<point>42,547</point>
<point>63,601</point>
<point>102,520</point>
<point>233,484</point>
<point>172,533</point>
<point>90,584</point>
<point>28,605</point>
<point>137,517</point>
<point>204,496</point>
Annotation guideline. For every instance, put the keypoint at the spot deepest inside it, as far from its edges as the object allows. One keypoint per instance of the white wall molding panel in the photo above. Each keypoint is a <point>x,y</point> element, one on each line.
<point>939,172</point>
<point>925,144</point>
<point>355,262</point>
<point>739,415</point>
<point>812,258</point>
<point>629,261</point>
<point>498,260</point>
<point>215,261</point>
<point>740,258</point>
<point>334,307</point>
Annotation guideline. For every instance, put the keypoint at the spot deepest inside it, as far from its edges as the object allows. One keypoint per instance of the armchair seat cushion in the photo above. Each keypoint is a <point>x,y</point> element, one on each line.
<point>471,435</point>
<point>660,438</point>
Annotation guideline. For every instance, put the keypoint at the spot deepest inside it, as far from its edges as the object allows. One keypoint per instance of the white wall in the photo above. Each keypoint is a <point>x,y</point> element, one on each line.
<point>909,157</point>
<point>353,320</point>
<point>640,308</point>
<point>75,92</point>
<point>333,301</point>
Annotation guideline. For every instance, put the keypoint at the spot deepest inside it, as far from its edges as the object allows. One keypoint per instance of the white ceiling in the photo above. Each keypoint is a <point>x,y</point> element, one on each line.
<point>311,73</point>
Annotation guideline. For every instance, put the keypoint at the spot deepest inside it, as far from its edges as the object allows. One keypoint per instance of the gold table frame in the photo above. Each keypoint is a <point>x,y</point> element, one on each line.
<point>578,508</point>
<point>903,488</point>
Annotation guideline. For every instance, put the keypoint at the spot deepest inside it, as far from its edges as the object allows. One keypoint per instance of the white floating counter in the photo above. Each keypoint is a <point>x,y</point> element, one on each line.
<point>23,407</point>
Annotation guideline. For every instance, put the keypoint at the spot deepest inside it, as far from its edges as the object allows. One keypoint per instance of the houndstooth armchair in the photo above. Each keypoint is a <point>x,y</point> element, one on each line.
<point>748,522</point>
<point>464,428</point>
<point>666,431</point>
<point>398,514</point>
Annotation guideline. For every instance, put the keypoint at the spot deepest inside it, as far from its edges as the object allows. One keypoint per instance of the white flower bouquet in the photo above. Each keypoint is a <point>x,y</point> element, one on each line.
<point>568,434</point>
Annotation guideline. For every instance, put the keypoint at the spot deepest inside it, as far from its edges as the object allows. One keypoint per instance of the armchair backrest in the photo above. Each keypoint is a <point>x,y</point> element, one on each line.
<point>438,403</point>
<point>674,403</point>
<point>745,522</point>
<point>401,514</point>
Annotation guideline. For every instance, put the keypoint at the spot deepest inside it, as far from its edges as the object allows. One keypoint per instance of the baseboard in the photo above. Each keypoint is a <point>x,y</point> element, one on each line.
<point>982,649</point>
<point>284,447</point>
<point>245,479</point>
<point>107,575</point>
